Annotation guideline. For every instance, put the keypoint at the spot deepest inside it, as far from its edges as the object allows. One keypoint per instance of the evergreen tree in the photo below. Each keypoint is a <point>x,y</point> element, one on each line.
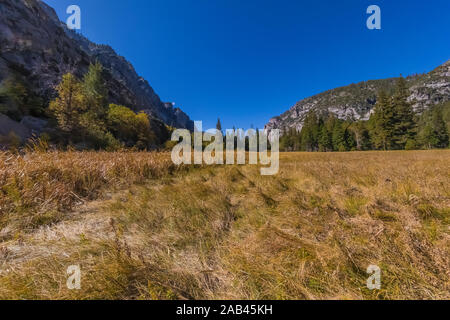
<point>325,139</point>
<point>310,133</point>
<point>93,121</point>
<point>338,137</point>
<point>95,92</point>
<point>440,128</point>
<point>383,123</point>
<point>295,140</point>
<point>349,138</point>
<point>434,132</point>
<point>403,117</point>
<point>285,141</point>
<point>68,106</point>
<point>219,125</point>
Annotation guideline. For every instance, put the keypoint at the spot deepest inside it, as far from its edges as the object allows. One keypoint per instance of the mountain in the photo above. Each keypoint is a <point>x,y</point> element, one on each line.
<point>37,47</point>
<point>357,101</point>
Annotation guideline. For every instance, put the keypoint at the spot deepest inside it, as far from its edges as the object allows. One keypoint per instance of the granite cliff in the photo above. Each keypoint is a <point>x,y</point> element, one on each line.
<point>357,101</point>
<point>37,47</point>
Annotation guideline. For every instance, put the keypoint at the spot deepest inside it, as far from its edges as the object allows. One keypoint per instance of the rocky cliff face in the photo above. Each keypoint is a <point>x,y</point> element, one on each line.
<point>35,44</point>
<point>357,101</point>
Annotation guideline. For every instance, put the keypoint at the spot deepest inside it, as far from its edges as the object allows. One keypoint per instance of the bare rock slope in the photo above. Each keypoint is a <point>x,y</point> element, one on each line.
<point>37,45</point>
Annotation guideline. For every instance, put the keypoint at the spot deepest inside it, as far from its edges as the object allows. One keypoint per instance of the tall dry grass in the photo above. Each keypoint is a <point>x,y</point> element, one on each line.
<point>229,233</point>
<point>37,187</point>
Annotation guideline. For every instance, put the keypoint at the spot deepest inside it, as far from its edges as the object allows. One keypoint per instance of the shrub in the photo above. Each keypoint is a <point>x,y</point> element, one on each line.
<point>129,127</point>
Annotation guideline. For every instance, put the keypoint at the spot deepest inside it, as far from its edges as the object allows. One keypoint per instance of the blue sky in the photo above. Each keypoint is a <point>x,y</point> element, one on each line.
<point>246,60</point>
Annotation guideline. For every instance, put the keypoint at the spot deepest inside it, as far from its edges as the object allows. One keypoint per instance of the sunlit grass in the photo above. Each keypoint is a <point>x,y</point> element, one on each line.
<point>227,232</point>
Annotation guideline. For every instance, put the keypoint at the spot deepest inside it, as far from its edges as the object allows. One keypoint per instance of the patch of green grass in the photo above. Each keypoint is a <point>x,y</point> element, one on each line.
<point>355,205</point>
<point>385,216</point>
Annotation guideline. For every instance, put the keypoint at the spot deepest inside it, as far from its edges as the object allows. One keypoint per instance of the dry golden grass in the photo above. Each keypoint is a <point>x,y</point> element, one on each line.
<point>229,233</point>
<point>38,187</point>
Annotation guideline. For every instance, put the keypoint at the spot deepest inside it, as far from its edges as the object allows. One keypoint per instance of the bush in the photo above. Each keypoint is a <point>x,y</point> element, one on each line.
<point>129,127</point>
<point>17,100</point>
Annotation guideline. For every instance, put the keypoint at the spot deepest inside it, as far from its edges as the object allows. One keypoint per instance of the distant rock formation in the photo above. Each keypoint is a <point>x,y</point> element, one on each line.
<point>357,101</point>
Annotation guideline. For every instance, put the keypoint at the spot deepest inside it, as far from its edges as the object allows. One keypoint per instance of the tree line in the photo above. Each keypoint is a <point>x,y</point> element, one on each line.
<point>392,126</point>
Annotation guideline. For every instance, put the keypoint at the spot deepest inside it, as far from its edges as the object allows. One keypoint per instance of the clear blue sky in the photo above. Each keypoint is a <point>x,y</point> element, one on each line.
<point>248,60</point>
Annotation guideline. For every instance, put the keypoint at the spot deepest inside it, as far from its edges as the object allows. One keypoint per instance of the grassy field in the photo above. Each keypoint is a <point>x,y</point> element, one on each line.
<point>141,228</point>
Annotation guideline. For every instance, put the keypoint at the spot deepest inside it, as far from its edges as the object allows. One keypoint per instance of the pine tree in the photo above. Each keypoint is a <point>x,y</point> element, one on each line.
<point>95,98</point>
<point>68,106</point>
<point>219,125</point>
<point>440,127</point>
<point>95,92</point>
<point>310,133</point>
<point>325,138</point>
<point>284,143</point>
<point>349,138</point>
<point>338,137</point>
<point>403,117</point>
<point>383,123</point>
<point>434,132</point>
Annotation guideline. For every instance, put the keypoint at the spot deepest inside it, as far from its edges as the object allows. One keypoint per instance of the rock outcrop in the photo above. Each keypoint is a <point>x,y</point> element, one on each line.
<point>357,101</point>
<point>9,126</point>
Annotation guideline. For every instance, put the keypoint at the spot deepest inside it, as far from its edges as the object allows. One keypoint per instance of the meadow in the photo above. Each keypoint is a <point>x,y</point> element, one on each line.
<point>141,228</point>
